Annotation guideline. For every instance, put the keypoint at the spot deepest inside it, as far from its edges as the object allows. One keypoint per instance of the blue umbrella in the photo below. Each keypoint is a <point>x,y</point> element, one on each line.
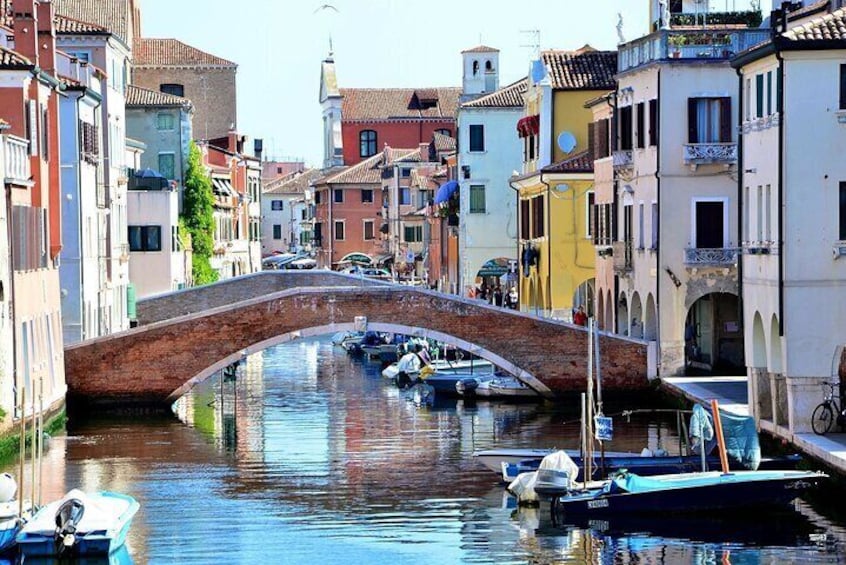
<point>148,174</point>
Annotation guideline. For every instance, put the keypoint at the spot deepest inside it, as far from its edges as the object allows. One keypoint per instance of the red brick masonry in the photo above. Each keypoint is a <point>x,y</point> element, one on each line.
<point>212,326</point>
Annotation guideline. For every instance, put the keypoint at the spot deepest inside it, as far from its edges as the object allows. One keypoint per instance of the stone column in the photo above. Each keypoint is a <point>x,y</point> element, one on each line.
<point>803,395</point>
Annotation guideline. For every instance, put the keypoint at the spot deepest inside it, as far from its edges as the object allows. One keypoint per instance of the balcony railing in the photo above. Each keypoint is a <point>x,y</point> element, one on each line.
<point>688,44</point>
<point>16,151</point>
<point>708,257</point>
<point>623,159</point>
<point>710,153</point>
<point>622,253</point>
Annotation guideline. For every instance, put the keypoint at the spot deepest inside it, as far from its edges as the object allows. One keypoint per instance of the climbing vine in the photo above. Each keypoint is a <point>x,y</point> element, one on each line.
<point>198,216</point>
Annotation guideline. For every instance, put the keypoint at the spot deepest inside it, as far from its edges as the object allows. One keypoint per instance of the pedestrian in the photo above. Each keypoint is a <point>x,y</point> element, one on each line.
<point>497,296</point>
<point>513,298</point>
<point>483,292</point>
<point>580,318</point>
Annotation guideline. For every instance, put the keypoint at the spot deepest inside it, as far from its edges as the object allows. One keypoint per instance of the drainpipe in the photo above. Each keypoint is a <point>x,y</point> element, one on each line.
<point>12,312</point>
<point>331,227</point>
<point>658,234</point>
<point>548,245</point>
<point>740,210</point>
<point>780,110</point>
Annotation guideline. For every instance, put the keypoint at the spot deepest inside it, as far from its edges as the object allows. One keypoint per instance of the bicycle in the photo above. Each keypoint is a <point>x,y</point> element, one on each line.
<point>828,412</point>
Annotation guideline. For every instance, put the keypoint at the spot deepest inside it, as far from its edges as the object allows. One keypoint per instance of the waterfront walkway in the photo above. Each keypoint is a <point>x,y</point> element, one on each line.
<point>731,393</point>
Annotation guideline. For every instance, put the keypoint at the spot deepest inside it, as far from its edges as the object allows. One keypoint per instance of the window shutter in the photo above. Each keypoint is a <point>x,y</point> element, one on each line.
<point>653,122</point>
<point>592,137</point>
<point>613,138</point>
<point>842,87</point>
<point>725,120</point>
<point>602,140</point>
<point>692,133</point>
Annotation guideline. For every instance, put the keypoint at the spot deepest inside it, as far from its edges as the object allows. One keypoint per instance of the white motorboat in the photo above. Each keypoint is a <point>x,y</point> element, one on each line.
<point>498,386</point>
<point>443,366</point>
<point>79,524</point>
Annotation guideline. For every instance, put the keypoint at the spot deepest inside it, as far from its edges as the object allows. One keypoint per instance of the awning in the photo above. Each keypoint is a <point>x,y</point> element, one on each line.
<point>445,191</point>
<point>357,258</point>
<point>224,187</point>
<point>528,126</point>
<point>492,269</point>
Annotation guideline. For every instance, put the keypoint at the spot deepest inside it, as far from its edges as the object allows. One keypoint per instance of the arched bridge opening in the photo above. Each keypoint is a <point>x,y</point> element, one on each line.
<point>163,358</point>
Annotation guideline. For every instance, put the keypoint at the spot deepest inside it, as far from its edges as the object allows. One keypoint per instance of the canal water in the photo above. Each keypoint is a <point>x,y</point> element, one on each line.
<point>310,456</point>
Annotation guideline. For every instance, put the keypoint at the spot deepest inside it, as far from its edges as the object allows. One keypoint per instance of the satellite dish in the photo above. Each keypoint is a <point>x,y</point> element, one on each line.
<point>538,71</point>
<point>567,141</point>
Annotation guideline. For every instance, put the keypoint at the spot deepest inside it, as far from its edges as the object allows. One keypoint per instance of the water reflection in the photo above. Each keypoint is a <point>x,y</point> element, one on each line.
<point>311,456</point>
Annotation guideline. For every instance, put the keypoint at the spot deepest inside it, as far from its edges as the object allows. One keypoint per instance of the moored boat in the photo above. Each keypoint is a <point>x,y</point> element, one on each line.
<point>479,366</point>
<point>79,524</point>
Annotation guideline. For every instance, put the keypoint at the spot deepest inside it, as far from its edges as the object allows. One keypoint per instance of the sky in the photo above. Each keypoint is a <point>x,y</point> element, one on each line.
<point>279,46</point>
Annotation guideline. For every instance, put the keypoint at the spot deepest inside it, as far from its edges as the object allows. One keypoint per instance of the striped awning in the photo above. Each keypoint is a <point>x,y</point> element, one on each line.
<point>528,126</point>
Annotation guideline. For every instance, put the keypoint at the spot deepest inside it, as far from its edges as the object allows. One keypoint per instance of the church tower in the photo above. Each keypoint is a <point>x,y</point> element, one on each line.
<point>481,72</point>
<point>330,103</point>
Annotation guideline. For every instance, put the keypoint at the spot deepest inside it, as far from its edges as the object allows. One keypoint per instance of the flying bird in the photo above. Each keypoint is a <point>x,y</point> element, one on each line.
<point>327,7</point>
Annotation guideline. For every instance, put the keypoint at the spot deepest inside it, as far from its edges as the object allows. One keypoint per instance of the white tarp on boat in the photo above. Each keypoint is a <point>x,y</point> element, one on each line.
<point>556,468</point>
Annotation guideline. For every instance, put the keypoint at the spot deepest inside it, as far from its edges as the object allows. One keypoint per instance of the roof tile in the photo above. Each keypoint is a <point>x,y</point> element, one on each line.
<point>511,96</point>
<point>481,49</point>
<point>71,26</point>
<point>155,52</point>
<point>826,28</point>
<point>110,15</point>
<point>578,163</point>
<point>138,96</point>
<point>443,142</point>
<point>295,183</point>
<point>13,60</point>
<point>367,104</point>
<point>583,69</point>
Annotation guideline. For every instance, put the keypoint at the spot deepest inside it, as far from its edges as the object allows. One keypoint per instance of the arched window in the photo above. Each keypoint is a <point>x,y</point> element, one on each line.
<point>367,143</point>
<point>475,68</point>
<point>488,66</point>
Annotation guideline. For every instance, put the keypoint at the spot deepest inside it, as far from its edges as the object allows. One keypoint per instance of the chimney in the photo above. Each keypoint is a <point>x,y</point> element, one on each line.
<point>25,25</point>
<point>258,148</point>
<point>424,152</point>
<point>46,36</point>
<point>232,139</point>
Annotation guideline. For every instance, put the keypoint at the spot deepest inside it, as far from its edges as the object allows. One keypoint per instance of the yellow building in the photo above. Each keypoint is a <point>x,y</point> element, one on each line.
<point>555,190</point>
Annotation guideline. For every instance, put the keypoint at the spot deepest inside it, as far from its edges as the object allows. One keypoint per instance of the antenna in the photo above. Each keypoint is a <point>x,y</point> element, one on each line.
<point>534,41</point>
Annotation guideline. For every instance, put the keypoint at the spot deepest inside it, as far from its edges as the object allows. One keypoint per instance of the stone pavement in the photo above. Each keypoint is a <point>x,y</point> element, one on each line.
<point>731,393</point>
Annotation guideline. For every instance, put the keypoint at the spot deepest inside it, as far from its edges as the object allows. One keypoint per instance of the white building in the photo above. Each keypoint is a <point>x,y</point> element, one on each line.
<point>794,217</point>
<point>157,256</point>
<point>284,212</point>
<point>675,162</point>
<point>486,199</point>
<point>105,43</point>
<point>82,271</point>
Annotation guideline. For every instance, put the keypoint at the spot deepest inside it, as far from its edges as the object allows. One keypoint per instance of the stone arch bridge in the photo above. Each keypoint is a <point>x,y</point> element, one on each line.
<point>184,337</point>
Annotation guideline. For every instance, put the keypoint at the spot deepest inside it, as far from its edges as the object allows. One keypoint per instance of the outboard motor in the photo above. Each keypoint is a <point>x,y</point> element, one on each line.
<point>467,387</point>
<point>68,517</point>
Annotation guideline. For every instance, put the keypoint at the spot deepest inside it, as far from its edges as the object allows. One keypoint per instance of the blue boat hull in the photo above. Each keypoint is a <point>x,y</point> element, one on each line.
<point>701,498</point>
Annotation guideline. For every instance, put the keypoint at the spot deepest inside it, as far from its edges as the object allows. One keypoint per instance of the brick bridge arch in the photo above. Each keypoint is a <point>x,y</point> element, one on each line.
<point>185,337</point>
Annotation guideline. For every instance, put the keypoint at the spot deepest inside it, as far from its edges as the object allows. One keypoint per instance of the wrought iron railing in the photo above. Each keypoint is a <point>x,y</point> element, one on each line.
<point>710,153</point>
<point>721,257</point>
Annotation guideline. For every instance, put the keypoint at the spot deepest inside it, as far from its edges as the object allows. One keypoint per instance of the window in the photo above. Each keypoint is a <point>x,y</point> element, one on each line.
<point>641,221</point>
<point>278,170</point>
<point>339,231</point>
<point>338,195</point>
<point>768,217</point>
<point>477,199</point>
<point>276,205</point>
<point>172,88</point>
<point>367,143</point>
<point>653,123</point>
<point>843,87</point>
<point>45,135</point>
<point>164,121</point>
<point>413,234</point>
<point>405,196</point>
<point>842,230</point>
<point>166,165</point>
<point>317,197</point>
<point>538,217</point>
<point>366,195</point>
<point>710,222</point>
<point>369,231</point>
<point>746,215</point>
<point>590,223</point>
<point>769,93</point>
<point>477,138</point>
<point>626,128</point>
<point>654,226</point>
<point>759,95</point>
<point>443,131</point>
<point>747,100</point>
<point>277,231</point>
<point>760,211</point>
<point>524,220</point>
<point>641,126</point>
<point>405,173</point>
<point>145,238</point>
<point>709,120</point>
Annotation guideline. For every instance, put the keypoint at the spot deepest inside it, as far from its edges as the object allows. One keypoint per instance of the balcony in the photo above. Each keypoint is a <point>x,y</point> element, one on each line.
<point>622,253</point>
<point>710,154</point>
<point>699,45</point>
<point>16,152</point>
<point>706,257</point>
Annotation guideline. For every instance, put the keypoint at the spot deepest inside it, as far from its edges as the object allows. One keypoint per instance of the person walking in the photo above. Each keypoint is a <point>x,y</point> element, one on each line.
<point>580,318</point>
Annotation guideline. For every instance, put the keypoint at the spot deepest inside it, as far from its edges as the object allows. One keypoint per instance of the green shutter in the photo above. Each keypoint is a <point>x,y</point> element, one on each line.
<point>759,96</point>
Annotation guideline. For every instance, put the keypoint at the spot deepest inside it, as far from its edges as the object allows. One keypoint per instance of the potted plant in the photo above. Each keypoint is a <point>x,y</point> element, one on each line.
<point>676,41</point>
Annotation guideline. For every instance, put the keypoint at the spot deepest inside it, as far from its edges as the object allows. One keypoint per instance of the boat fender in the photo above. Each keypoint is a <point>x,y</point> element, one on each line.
<point>646,452</point>
<point>8,487</point>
